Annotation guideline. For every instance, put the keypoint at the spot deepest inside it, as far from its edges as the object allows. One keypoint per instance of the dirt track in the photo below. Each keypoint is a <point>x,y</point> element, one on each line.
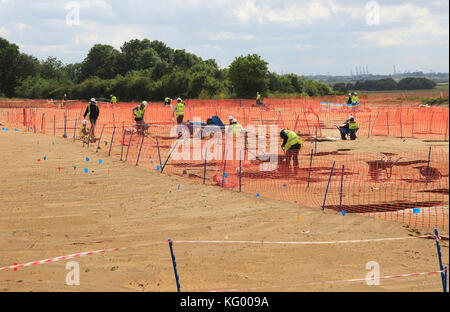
<point>47,213</point>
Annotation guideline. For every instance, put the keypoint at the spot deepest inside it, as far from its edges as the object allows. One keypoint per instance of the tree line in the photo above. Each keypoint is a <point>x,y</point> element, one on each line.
<point>144,69</point>
<point>387,84</point>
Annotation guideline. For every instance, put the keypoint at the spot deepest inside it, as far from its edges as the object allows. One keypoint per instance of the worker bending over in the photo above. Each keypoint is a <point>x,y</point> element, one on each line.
<point>355,99</point>
<point>138,114</point>
<point>258,99</point>
<point>113,99</point>
<point>349,127</point>
<point>167,101</point>
<point>292,145</point>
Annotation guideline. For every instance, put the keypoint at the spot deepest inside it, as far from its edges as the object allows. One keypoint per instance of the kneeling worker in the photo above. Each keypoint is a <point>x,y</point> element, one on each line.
<point>84,132</point>
<point>292,145</point>
<point>349,127</point>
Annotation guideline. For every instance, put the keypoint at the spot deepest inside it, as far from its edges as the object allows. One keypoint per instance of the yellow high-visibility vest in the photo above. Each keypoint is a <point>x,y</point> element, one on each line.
<point>139,112</point>
<point>82,132</point>
<point>180,109</point>
<point>292,140</point>
<point>353,126</point>
<point>237,128</point>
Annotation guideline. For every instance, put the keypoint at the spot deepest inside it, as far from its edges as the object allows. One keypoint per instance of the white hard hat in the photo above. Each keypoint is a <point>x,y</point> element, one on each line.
<point>356,93</point>
<point>234,120</point>
<point>93,100</point>
<point>144,103</point>
<point>230,117</point>
<point>84,122</point>
<point>179,100</point>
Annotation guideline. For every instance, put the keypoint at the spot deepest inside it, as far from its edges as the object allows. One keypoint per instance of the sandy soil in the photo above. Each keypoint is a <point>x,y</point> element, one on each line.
<point>46,212</point>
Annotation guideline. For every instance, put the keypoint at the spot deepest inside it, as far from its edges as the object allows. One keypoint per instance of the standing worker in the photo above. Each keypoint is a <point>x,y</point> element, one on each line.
<point>64,100</point>
<point>167,101</point>
<point>92,111</point>
<point>292,145</point>
<point>179,110</point>
<point>138,113</point>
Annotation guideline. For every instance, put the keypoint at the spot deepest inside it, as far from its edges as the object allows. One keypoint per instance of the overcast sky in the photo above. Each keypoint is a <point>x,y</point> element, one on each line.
<point>293,36</point>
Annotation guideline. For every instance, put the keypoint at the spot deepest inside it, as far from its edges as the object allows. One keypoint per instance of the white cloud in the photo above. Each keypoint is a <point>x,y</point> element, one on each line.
<point>4,32</point>
<point>22,26</point>
<point>293,13</point>
<point>303,47</point>
<point>227,35</point>
<point>422,27</point>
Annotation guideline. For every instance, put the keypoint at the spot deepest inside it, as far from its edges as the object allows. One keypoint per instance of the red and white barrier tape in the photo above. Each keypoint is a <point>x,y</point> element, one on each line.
<point>49,260</point>
<point>89,253</point>
<point>331,282</point>
<point>303,243</point>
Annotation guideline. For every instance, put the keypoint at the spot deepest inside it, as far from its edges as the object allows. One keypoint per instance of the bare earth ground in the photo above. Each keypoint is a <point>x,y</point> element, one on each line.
<point>46,213</point>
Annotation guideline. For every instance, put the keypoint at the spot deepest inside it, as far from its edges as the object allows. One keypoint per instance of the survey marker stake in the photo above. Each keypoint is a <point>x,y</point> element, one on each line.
<point>112,140</point>
<point>162,169</point>
<point>342,182</point>
<point>204,171</point>
<point>174,265</point>
<point>329,180</point>
<point>444,273</point>
<point>74,130</point>
<point>140,149</point>
<point>159,155</point>
<point>100,139</point>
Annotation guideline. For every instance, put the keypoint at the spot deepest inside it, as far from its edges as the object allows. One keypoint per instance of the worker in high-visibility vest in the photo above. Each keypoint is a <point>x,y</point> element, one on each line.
<point>355,99</point>
<point>258,99</point>
<point>84,132</point>
<point>179,110</point>
<point>113,99</point>
<point>292,145</point>
<point>235,128</point>
<point>167,101</point>
<point>138,114</point>
<point>349,127</point>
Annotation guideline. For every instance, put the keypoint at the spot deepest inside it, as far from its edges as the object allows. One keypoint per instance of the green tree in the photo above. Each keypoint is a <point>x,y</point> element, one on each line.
<point>164,52</point>
<point>184,59</point>
<point>9,58</point>
<point>248,75</point>
<point>415,83</point>
<point>101,61</point>
<point>52,68</point>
